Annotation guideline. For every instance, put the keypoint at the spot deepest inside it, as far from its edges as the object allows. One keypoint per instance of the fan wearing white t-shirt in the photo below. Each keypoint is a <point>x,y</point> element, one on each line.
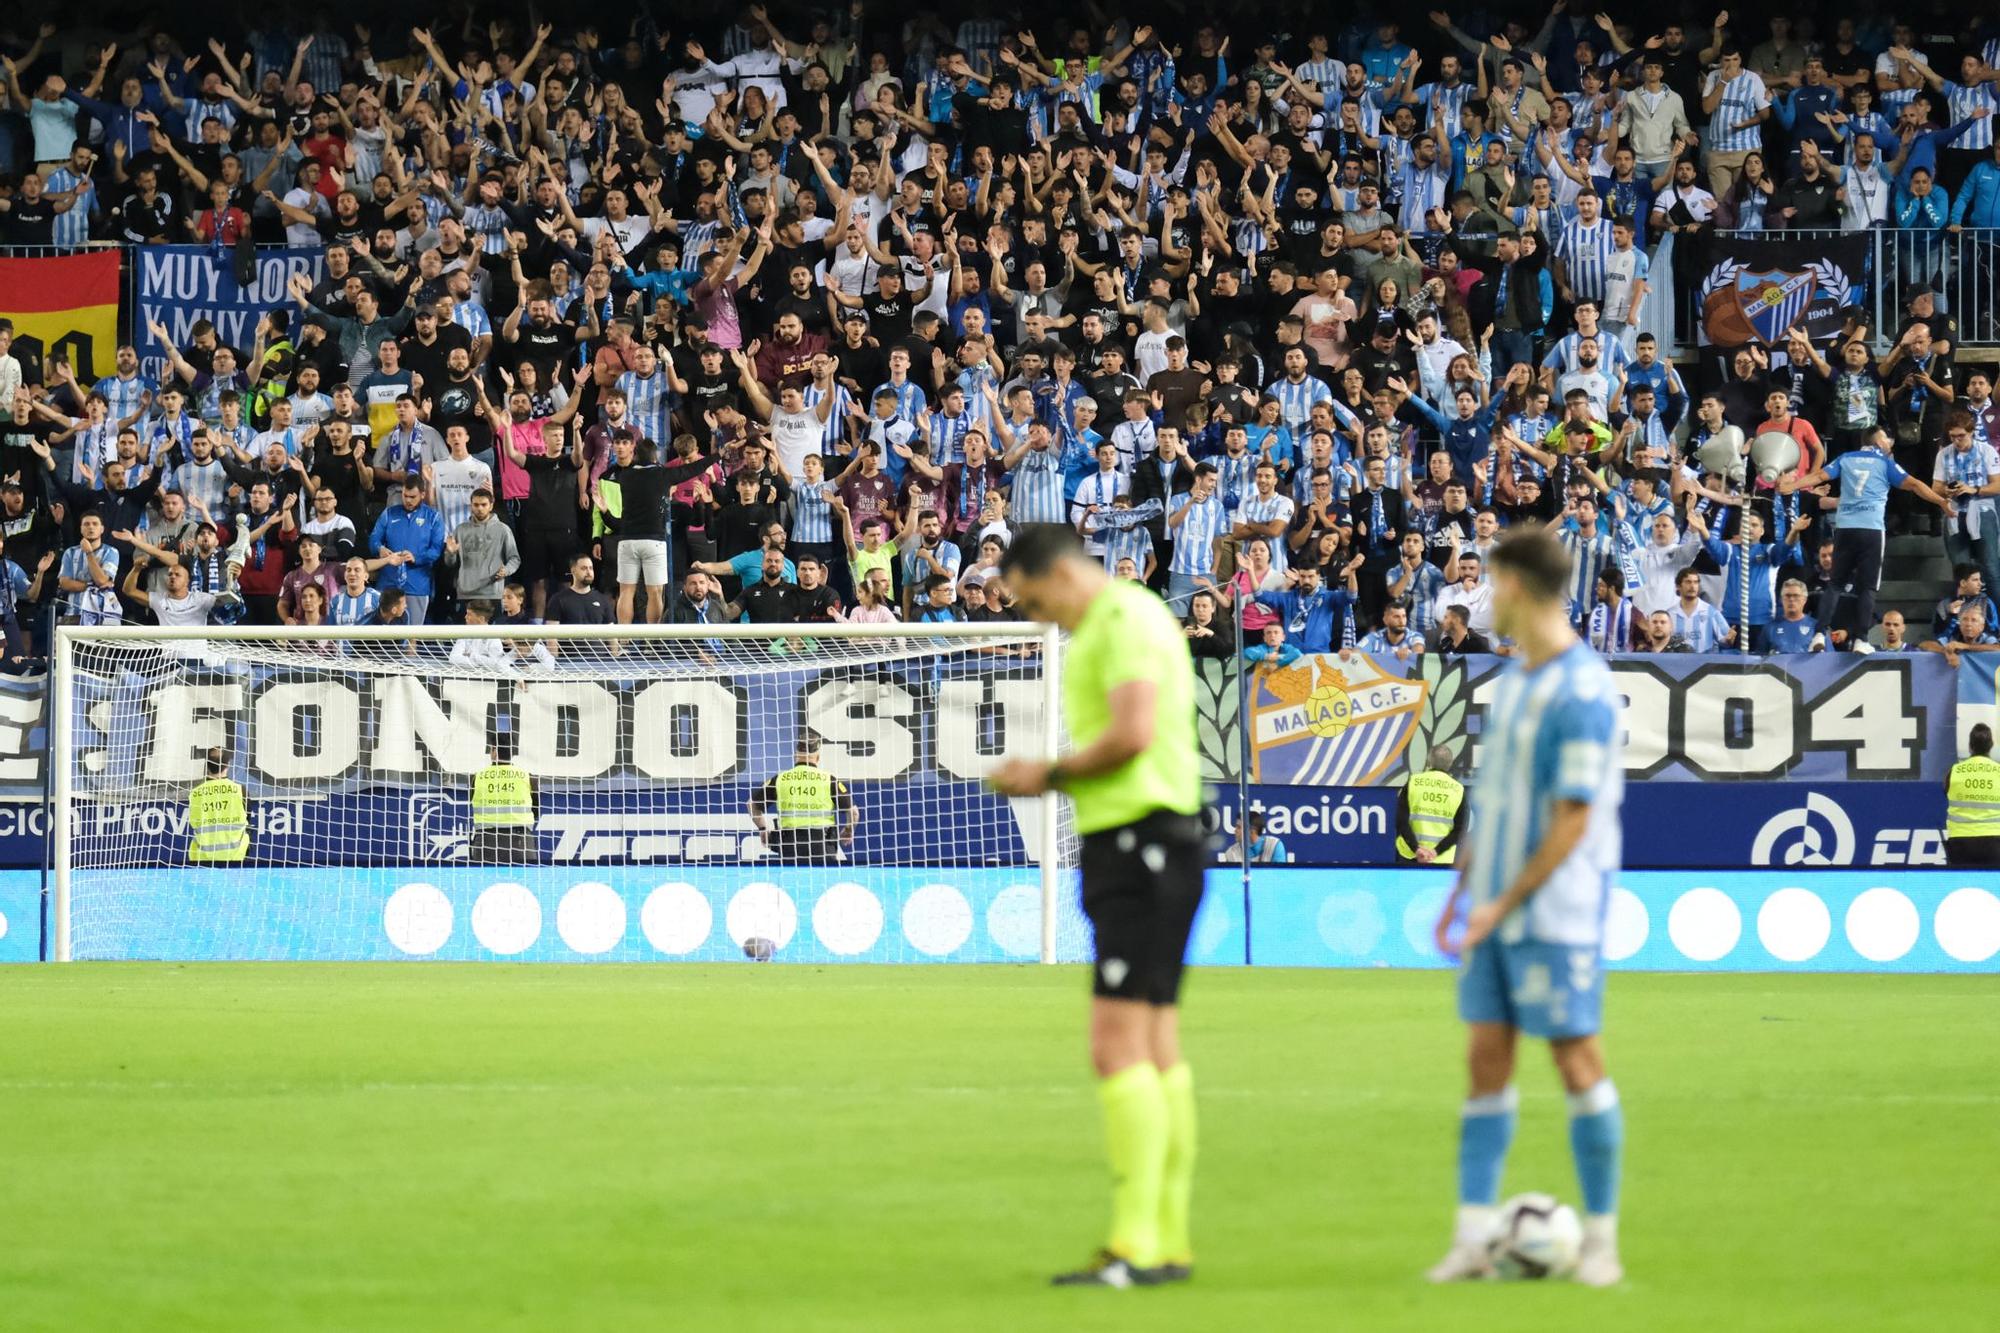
<point>796,430</point>
<point>179,605</point>
<point>453,479</point>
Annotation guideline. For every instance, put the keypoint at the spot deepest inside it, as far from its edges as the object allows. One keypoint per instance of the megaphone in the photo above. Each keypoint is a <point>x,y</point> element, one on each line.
<point>1722,454</point>
<point>1773,454</point>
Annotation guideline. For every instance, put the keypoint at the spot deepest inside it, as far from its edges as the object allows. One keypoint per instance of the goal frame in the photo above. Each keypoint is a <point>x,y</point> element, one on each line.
<point>67,638</point>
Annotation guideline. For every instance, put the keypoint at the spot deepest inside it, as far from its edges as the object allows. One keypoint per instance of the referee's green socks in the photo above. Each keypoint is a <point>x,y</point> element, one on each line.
<point>1135,1131</point>
<point>1177,1187</point>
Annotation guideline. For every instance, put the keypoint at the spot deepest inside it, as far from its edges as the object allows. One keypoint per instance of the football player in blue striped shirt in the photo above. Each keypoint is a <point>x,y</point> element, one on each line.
<point>1545,850</point>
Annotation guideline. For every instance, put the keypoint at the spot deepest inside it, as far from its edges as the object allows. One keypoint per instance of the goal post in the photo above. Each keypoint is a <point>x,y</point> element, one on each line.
<point>651,751</point>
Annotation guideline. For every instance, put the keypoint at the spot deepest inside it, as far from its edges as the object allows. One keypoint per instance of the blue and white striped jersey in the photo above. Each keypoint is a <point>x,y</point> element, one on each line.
<point>489,227</point>
<point>1421,587</point>
<point>1258,509</point>
<point>1135,441</point>
<point>206,482</point>
<point>124,395</point>
<point>697,239</point>
<point>72,228</point>
<point>1589,553</point>
<point>834,432</point>
<point>948,435</point>
<point>1586,250</point>
<point>1552,736</point>
<point>1454,97</point>
<point>1133,543</point>
<point>349,609</point>
<point>1325,75</point>
<point>472,317</point>
<point>1964,103</point>
<point>1704,627</point>
<point>649,405</point>
<point>1419,190</point>
<point>1742,98</point>
<point>1194,539</point>
<point>1234,476</point>
<point>1295,401</point>
<point>812,517</point>
<point>910,400</point>
<point>196,111</point>
<point>1098,489</point>
<point>1037,493</point>
<point>452,485</point>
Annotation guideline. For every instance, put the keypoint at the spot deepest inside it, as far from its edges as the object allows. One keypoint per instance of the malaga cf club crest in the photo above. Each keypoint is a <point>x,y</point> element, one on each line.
<point>1341,721</point>
<point>1770,302</point>
<point>1758,289</point>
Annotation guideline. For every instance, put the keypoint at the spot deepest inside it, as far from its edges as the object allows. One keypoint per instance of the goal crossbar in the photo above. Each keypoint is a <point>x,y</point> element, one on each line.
<point>846,644</point>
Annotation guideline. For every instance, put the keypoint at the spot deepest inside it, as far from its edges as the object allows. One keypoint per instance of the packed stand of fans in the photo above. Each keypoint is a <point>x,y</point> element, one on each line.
<point>800,317</point>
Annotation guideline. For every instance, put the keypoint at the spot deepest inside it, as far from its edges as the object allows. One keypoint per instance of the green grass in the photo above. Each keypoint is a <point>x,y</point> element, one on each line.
<point>489,1147</point>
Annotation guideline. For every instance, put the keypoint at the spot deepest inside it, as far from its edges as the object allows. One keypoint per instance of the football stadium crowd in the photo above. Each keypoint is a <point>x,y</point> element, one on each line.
<point>798,314</point>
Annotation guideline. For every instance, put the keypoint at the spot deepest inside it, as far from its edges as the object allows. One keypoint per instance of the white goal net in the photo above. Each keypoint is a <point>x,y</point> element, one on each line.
<point>656,831</point>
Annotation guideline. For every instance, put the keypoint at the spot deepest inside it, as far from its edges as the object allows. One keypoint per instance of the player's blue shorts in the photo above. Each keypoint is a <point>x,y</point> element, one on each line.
<point>1545,990</point>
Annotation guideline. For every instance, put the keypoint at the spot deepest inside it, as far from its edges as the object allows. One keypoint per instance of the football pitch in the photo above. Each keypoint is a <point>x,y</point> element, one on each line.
<point>880,1148</point>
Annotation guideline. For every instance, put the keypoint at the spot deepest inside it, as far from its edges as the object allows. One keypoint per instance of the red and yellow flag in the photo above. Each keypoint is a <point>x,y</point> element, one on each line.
<point>67,303</point>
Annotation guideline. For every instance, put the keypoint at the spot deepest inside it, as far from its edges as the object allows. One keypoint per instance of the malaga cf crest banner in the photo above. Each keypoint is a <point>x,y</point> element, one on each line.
<point>1758,288</point>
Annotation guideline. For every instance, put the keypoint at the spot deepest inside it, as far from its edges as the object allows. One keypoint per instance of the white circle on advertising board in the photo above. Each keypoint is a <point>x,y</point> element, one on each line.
<point>1704,924</point>
<point>591,918</point>
<point>506,918</point>
<point>676,918</point>
<point>417,919</point>
<point>1883,925</point>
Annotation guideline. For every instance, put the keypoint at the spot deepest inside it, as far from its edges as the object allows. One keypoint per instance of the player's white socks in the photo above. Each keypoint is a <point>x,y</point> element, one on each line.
<point>1475,1224</point>
<point>1598,1265</point>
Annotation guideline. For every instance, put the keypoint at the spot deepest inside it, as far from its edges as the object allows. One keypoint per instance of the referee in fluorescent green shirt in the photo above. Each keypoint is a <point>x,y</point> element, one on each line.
<point>1135,779</point>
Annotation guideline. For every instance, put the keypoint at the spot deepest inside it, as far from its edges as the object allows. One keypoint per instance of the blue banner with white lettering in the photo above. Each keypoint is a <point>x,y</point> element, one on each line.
<point>632,762</point>
<point>1352,720</point>
<point>181,285</point>
<point>1668,825</point>
<point>649,770</point>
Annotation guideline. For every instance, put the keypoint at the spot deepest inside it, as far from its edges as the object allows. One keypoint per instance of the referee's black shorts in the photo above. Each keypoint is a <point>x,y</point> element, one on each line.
<point>1141,885</point>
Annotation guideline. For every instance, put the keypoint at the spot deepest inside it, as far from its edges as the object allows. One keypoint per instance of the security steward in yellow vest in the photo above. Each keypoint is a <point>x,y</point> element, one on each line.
<point>1430,815</point>
<point>503,811</point>
<point>805,815</point>
<point>1972,805</point>
<point>218,817</point>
